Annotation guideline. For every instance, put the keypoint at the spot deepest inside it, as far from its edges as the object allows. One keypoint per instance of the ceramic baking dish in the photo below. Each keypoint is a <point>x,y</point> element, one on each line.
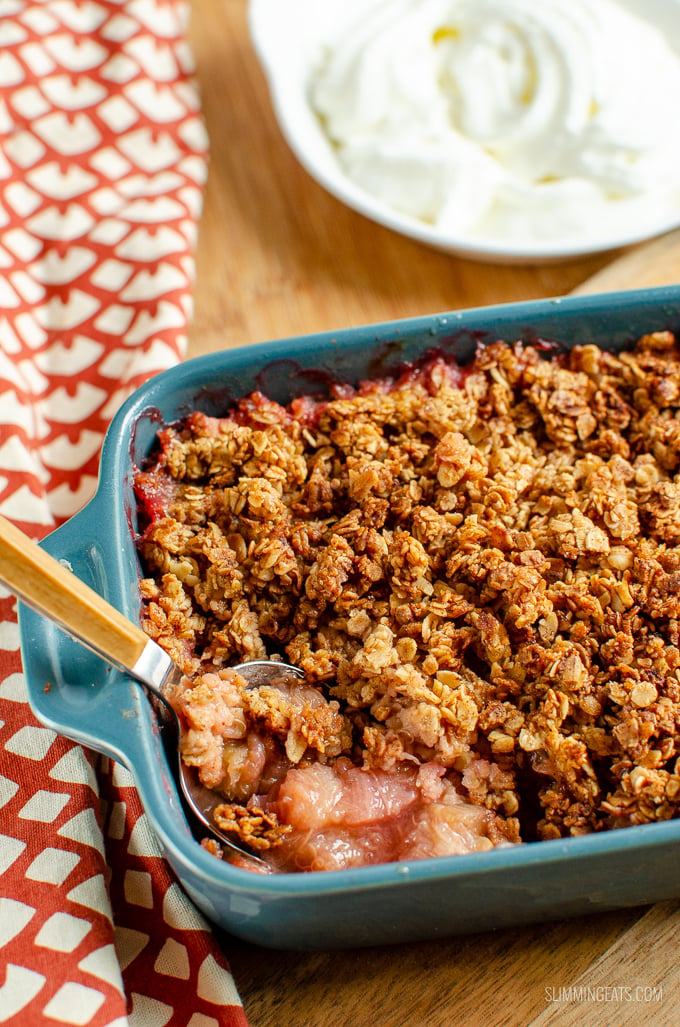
<point>72,691</point>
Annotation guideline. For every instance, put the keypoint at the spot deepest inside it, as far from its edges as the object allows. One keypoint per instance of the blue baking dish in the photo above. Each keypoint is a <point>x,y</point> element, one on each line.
<point>72,691</point>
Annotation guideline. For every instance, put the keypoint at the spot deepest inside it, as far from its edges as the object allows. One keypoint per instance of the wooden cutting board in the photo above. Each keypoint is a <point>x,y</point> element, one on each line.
<point>610,968</point>
<point>278,256</point>
<point>653,263</point>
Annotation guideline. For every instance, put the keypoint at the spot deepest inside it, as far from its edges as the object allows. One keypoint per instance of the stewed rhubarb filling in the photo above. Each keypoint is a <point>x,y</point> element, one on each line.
<point>275,753</point>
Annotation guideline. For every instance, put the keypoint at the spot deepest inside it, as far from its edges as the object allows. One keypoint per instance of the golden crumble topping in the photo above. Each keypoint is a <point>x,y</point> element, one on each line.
<point>254,827</point>
<point>475,567</point>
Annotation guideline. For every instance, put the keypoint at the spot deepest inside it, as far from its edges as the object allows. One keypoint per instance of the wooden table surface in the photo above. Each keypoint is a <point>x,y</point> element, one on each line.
<point>277,256</point>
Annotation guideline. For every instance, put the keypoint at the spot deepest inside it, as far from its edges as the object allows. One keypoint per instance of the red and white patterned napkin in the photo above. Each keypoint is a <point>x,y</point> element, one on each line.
<point>102,166</point>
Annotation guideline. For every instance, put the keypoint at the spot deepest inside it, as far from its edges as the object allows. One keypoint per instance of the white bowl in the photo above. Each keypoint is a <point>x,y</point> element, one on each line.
<point>286,36</point>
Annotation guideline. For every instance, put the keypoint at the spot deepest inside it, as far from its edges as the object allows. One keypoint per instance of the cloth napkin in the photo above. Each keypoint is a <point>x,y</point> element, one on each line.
<point>102,165</point>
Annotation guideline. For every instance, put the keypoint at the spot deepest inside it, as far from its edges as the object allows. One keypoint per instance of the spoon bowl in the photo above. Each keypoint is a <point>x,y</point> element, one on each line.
<point>54,591</point>
<point>203,801</point>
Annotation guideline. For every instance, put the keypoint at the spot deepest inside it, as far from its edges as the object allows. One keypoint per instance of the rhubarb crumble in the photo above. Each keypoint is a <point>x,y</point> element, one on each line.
<point>478,571</point>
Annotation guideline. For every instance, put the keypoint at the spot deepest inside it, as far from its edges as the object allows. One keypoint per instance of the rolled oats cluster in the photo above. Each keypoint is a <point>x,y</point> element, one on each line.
<point>477,568</point>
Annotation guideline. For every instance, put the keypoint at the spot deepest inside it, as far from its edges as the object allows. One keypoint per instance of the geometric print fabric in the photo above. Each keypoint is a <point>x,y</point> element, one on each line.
<point>102,166</point>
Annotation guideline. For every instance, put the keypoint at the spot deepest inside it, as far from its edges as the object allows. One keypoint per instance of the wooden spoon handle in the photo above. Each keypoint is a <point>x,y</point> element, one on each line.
<point>56,592</point>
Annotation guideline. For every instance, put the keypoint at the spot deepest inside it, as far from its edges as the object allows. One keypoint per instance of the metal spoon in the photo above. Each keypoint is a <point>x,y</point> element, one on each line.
<point>51,589</point>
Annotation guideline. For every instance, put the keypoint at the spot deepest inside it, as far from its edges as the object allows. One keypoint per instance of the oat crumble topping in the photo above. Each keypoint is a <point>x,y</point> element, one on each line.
<point>477,568</point>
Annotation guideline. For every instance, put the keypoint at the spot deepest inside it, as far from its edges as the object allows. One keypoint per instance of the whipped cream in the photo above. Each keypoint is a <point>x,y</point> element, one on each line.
<point>506,119</point>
